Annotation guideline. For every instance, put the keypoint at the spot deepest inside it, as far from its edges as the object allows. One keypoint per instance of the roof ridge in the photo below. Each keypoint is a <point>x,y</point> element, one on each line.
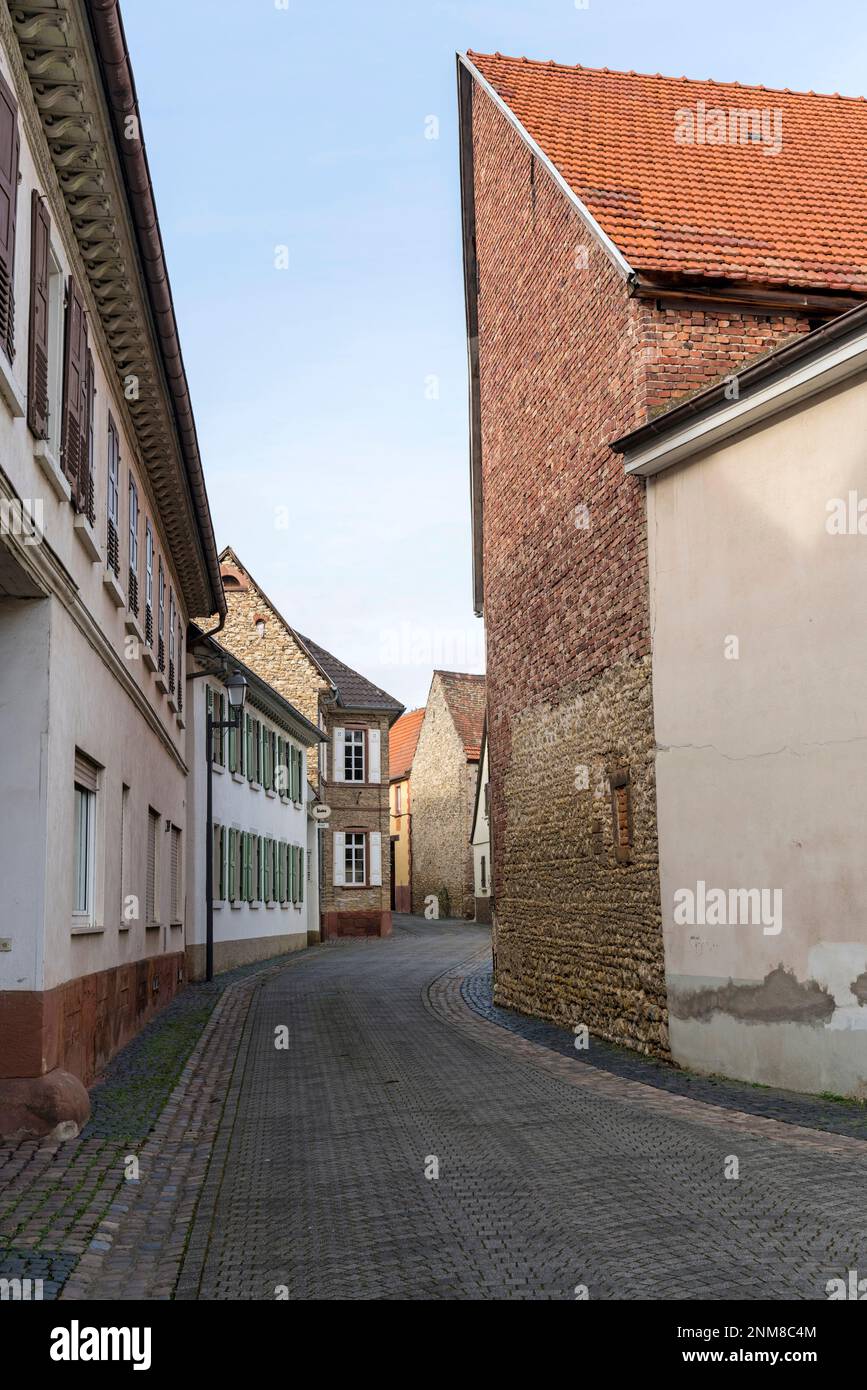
<point>662,76</point>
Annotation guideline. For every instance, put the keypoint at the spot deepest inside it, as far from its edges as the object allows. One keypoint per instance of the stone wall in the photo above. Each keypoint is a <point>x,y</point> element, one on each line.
<point>569,362</point>
<point>443,792</point>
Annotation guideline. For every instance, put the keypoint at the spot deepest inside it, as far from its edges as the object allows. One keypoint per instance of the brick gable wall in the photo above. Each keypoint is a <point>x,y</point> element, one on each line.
<point>567,363</point>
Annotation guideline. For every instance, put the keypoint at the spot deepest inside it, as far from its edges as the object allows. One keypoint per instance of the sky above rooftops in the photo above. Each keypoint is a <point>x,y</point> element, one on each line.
<point>330,396</point>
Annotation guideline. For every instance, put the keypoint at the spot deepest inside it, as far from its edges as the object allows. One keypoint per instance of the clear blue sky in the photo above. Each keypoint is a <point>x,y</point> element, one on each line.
<point>304,127</point>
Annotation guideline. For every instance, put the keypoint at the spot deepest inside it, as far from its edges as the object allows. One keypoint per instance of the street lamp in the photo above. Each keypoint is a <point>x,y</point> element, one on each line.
<point>236,689</point>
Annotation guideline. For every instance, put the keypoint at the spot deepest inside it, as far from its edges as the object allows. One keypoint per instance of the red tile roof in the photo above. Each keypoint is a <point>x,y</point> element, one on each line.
<point>794,218</point>
<point>402,741</point>
<point>465,697</point>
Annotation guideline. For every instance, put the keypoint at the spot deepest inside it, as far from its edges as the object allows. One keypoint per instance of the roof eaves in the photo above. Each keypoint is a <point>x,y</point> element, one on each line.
<point>796,370</point>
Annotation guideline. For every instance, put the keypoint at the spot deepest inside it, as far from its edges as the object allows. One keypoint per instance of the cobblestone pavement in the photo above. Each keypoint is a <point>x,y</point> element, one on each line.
<point>60,1203</point>
<point>300,1172</point>
<point>552,1174</point>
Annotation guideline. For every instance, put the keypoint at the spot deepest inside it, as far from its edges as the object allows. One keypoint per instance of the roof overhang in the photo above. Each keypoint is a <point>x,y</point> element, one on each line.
<point>84,129</point>
<point>784,378</point>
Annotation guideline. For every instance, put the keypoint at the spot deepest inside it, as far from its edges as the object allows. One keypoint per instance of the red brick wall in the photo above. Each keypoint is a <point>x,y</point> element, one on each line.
<point>568,362</point>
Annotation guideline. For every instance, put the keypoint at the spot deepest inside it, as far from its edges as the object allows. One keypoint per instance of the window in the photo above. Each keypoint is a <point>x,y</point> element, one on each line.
<point>269,864</point>
<point>353,756</point>
<point>232,883</point>
<point>149,584</point>
<point>177,881</point>
<point>398,799</point>
<point>161,620</point>
<point>355,858</point>
<point>151,904</point>
<point>84,842</point>
<point>124,854</point>
<point>233,741</point>
<point>113,500</point>
<point>55,353</point>
<point>300,875</point>
<point>9,149</point>
<point>484,872</point>
<point>260,869</point>
<point>621,812</point>
<point>133,547</point>
<point>180,667</point>
<point>219,863</point>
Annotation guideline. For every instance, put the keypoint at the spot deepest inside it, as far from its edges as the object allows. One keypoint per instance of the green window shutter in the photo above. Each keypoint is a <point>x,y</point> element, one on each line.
<point>209,709</point>
<point>232,835</point>
<point>300,874</point>
<point>278,870</point>
<point>221,862</point>
<point>233,748</point>
<point>293,893</point>
<point>260,869</point>
<point>248,749</point>
<point>267,869</point>
<point>248,867</point>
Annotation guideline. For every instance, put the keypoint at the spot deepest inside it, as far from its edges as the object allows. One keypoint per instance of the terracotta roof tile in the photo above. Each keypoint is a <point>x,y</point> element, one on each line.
<point>465,697</point>
<point>730,210</point>
<point>402,742</point>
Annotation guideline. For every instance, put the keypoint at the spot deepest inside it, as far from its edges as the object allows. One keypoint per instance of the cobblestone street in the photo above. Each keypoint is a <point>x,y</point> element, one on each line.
<point>300,1172</point>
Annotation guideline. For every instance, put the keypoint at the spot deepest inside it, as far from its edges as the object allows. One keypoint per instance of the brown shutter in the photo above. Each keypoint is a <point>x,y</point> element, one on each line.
<point>74,387</point>
<point>88,501</point>
<point>9,144</point>
<point>37,342</point>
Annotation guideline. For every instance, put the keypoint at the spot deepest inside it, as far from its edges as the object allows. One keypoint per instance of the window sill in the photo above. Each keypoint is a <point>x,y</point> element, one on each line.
<point>173,702</point>
<point>255,786</point>
<point>86,928</point>
<point>152,926</point>
<point>270,792</point>
<point>176,926</point>
<point>10,390</point>
<point>217,767</point>
<point>180,720</point>
<point>149,659</point>
<point>254,906</point>
<point>270,906</point>
<point>162,682</point>
<point>51,468</point>
<point>85,533</point>
<point>115,592</point>
<point>133,626</point>
<point>236,907</point>
<point>219,904</point>
<point>238,777</point>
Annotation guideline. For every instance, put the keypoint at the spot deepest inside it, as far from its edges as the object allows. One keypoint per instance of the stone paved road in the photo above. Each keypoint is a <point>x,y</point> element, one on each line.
<point>551,1174</point>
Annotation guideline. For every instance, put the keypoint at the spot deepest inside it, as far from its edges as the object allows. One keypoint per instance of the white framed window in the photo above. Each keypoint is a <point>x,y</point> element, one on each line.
<point>84,842</point>
<point>355,858</point>
<point>133,527</point>
<point>353,755</point>
<point>149,567</point>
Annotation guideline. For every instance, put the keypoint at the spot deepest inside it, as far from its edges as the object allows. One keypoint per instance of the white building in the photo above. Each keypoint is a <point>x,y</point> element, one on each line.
<point>757,527</point>
<point>265,861</point>
<point>106,548</point>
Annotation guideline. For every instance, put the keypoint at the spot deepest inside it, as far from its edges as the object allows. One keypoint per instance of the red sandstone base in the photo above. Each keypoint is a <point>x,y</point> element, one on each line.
<point>355,924</point>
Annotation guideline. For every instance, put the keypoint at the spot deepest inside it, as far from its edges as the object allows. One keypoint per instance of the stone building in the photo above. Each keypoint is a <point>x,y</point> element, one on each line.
<point>106,548</point>
<point>445,770</point>
<point>757,510</point>
<point>616,259</point>
<point>480,838</point>
<point>402,745</point>
<point>350,773</point>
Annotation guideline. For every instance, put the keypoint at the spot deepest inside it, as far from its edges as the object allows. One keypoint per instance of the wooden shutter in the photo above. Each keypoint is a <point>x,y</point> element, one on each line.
<point>339,755</point>
<point>373,773</point>
<point>37,341</point>
<point>339,842</point>
<point>300,875</point>
<point>150,880</point>
<point>375,874</point>
<point>9,148</point>
<point>72,455</point>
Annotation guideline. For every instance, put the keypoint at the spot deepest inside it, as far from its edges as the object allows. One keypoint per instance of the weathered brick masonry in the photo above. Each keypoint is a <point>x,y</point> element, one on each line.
<point>568,362</point>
